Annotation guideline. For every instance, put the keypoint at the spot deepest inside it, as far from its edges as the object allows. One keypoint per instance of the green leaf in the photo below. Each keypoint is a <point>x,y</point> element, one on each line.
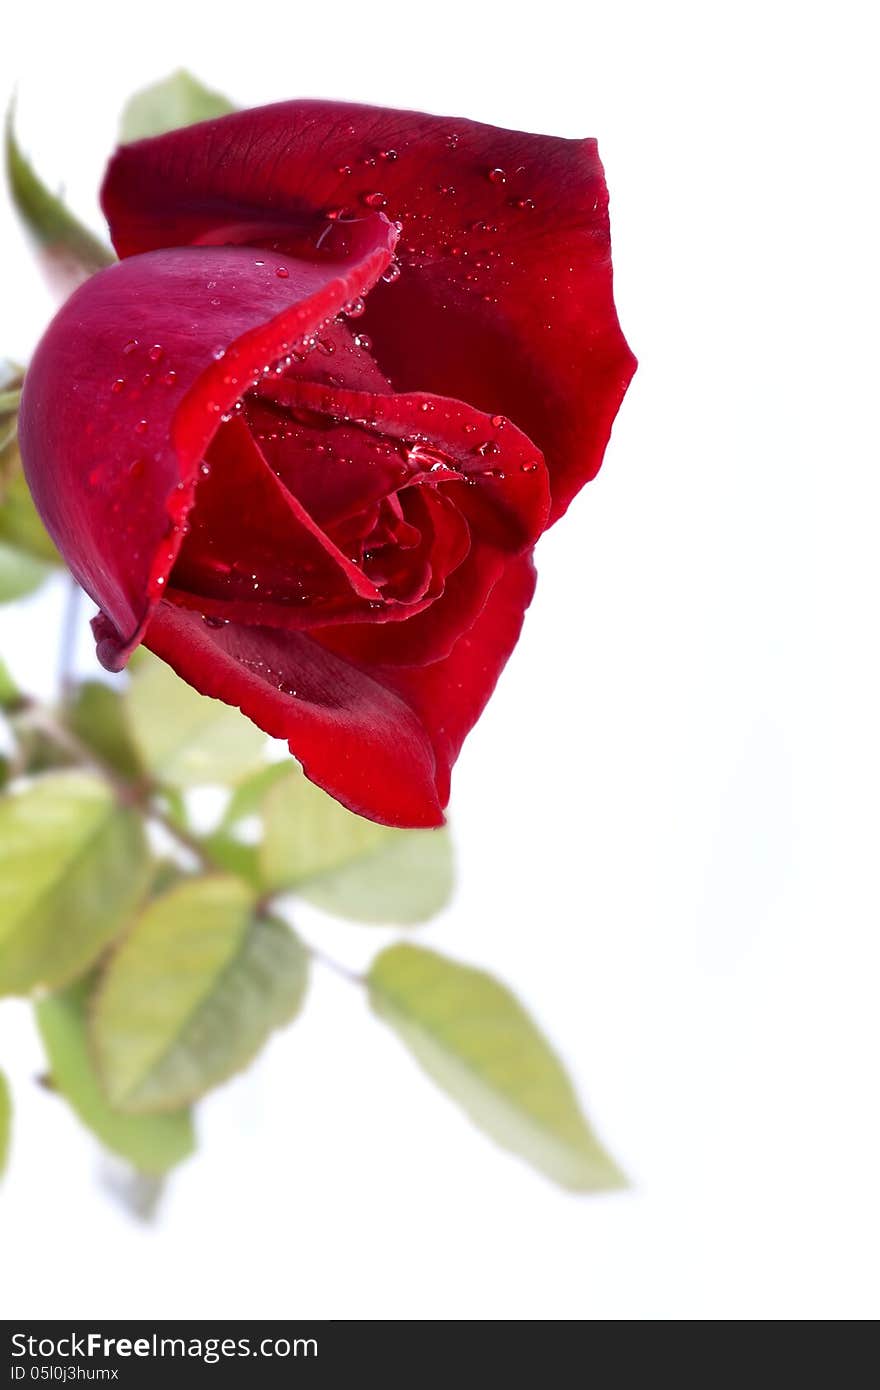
<point>153,1143</point>
<point>10,694</point>
<point>20,574</point>
<point>347,865</point>
<point>186,739</point>
<point>50,223</point>
<point>98,719</point>
<point>176,101</point>
<point>224,845</point>
<point>408,879</point>
<point>5,1122</point>
<point>20,524</point>
<point>192,993</point>
<point>478,1043</point>
<point>307,833</point>
<point>73,865</point>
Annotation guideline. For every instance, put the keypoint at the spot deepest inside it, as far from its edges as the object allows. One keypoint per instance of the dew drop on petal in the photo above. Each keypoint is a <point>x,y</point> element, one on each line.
<point>140,427</point>
<point>496,175</point>
<point>374,200</point>
<point>282,272</point>
<point>118,385</point>
<point>130,346</point>
<point>156,352</point>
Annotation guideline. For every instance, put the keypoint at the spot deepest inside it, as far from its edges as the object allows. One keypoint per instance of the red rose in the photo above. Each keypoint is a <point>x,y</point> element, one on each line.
<point>310,475</point>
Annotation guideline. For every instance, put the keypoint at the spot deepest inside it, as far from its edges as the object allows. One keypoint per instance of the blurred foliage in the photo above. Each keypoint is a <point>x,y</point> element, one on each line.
<point>157,953</point>
<point>192,992</point>
<point>73,252</point>
<point>5,1121</point>
<point>177,101</point>
<point>478,1043</point>
<point>73,866</point>
<point>151,1143</point>
<point>184,739</point>
<point>27,555</point>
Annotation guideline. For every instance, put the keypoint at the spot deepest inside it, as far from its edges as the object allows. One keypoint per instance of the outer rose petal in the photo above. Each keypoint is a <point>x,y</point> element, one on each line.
<point>128,387</point>
<point>355,737</point>
<point>505,300</point>
<point>449,696</point>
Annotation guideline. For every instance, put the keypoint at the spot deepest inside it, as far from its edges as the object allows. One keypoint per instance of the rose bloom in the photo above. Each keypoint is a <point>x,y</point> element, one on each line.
<point>301,440</point>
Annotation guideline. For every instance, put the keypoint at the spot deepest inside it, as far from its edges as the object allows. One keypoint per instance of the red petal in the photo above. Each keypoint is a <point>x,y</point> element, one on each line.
<point>126,391</point>
<point>252,549</point>
<point>505,298</point>
<point>356,737</point>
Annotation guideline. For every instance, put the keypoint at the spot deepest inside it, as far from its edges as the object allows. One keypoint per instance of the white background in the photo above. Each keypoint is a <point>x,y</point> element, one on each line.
<point>667,820</point>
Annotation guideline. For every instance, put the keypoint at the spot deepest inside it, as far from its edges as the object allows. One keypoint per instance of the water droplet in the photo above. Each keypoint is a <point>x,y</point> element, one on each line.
<point>169,378</point>
<point>524,204</point>
<point>140,427</point>
<point>137,468</point>
<point>215,303</point>
<point>487,447</point>
<point>326,346</point>
<point>156,352</point>
<point>389,155</point>
<point>147,379</point>
<point>130,346</point>
<point>374,200</point>
<point>392,273</point>
<point>354,308</point>
<point>496,175</point>
<point>259,262</point>
<point>218,354</point>
<point>344,169</point>
<point>528,467</point>
<point>364,341</point>
<point>205,470</point>
<point>211,621</point>
<point>118,385</point>
<point>452,140</point>
<point>282,272</point>
<point>498,421</point>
